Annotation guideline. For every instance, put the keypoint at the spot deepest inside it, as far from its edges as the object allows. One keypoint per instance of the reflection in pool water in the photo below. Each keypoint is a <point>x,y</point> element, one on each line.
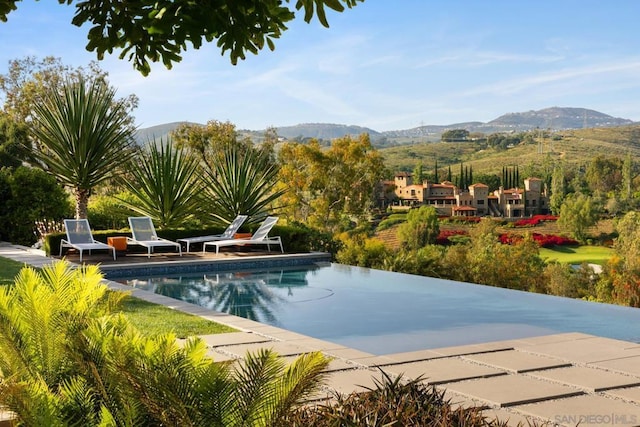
<point>383,312</point>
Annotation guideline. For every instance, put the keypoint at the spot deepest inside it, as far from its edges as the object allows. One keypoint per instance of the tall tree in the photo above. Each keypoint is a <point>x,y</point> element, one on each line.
<point>604,174</point>
<point>627,178</point>
<point>436,178</point>
<point>212,141</point>
<point>159,30</point>
<point>557,189</point>
<point>455,135</point>
<point>577,214</point>
<point>324,186</point>
<point>83,135</point>
<point>30,79</point>
<point>13,140</point>
<point>622,272</point>
<point>418,174</point>
<point>420,229</point>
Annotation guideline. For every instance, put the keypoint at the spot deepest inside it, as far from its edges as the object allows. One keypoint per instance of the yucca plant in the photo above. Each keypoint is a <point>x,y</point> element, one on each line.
<point>244,182</point>
<point>84,135</point>
<point>66,359</point>
<point>391,402</point>
<point>165,183</point>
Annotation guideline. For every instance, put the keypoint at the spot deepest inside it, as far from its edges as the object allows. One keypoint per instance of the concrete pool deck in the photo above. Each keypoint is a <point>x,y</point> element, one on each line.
<point>563,379</point>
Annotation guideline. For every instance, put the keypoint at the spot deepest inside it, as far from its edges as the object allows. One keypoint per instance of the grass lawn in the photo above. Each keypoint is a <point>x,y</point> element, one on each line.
<point>155,319</point>
<point>8,270</point>
<point>577,254</point>
<point>149,318</point>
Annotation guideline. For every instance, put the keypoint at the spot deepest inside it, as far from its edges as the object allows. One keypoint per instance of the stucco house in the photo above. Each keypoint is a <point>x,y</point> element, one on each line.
<point>449,200</point>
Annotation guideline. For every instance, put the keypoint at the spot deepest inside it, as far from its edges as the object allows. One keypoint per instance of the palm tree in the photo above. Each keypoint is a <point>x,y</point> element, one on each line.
<point>242,183</point>
<point>84,134</point>
<point>165,184</point>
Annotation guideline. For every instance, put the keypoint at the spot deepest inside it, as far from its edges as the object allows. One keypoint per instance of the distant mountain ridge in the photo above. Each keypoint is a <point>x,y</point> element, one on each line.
<point>554,118</point>
<point>324,131</point>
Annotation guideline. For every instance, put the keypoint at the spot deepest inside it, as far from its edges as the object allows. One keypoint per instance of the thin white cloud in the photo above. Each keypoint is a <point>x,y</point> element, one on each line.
<point>529,83</point>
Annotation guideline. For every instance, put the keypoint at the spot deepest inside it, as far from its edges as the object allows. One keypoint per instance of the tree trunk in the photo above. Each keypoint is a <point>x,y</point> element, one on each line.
<point>82,203</point>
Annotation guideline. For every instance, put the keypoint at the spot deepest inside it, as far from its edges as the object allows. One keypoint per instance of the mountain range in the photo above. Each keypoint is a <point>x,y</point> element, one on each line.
<point>554,118</point>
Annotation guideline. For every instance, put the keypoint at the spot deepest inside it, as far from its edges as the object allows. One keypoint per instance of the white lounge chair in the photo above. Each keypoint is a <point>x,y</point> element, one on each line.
<point>260,237</point>
<point>144,234</point>
<point>79,237</point>
<point>231,230</point>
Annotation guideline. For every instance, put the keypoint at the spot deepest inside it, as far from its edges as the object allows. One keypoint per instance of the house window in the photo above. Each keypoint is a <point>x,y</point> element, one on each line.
<point>480,202</point>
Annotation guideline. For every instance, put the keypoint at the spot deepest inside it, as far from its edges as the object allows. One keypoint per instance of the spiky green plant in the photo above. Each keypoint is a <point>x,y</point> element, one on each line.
<point>84,135</point>
<point>165,184</point>
<point>393,402</point>
<point>66,359</point>
<point>244,182</point>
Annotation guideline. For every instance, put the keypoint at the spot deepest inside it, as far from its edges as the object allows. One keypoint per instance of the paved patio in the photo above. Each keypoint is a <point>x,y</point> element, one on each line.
<point>564,379</point>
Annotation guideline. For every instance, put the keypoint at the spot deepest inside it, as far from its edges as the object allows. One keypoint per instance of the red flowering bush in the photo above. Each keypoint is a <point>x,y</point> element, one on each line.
<point>534,220</point>
<point>543,240</point>
<point>443,237</point>
<point>526,222</point>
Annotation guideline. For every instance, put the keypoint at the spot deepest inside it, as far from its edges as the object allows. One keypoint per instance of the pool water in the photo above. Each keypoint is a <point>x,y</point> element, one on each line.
<point>383,312</point>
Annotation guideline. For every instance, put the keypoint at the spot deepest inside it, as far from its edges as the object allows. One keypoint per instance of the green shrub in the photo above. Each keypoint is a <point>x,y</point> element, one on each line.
<point>28,195</point>
<point>108,213</point>
<point>298,237</point>
<point>424,261</point>
<point>363,252</point>
<point>422,227</point>
<point>295,237</point>
<point>68,358</point>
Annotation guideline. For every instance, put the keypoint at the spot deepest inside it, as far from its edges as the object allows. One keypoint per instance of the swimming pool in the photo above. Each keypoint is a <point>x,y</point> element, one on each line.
<point>383,312</point>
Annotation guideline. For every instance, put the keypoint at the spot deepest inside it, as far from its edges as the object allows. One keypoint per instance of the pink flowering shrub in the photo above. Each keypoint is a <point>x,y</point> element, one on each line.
<point>543,240</point>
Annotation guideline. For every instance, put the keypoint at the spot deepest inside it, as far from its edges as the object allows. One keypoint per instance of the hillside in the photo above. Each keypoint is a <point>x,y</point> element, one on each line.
<point>326,131</point>
<point>156,132</point>
<point>554,119</point>
<point>572,146</point>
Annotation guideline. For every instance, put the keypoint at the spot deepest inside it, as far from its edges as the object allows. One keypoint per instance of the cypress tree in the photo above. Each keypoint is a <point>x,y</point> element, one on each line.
<point>466,177</point>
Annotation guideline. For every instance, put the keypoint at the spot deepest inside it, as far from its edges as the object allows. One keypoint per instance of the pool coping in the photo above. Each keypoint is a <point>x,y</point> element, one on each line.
<point>561,379</point>
<point>152,268</point>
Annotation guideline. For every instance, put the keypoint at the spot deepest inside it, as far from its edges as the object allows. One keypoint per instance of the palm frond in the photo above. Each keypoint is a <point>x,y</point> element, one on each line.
<point>83,134</point>
<point>244,182</point>
<point>165,183</point>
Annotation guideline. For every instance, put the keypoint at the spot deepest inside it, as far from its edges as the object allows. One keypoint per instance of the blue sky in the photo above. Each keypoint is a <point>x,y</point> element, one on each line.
<point>386,65</point>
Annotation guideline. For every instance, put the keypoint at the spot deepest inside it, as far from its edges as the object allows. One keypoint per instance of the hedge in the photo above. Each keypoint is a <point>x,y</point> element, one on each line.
<point>295,238</point>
